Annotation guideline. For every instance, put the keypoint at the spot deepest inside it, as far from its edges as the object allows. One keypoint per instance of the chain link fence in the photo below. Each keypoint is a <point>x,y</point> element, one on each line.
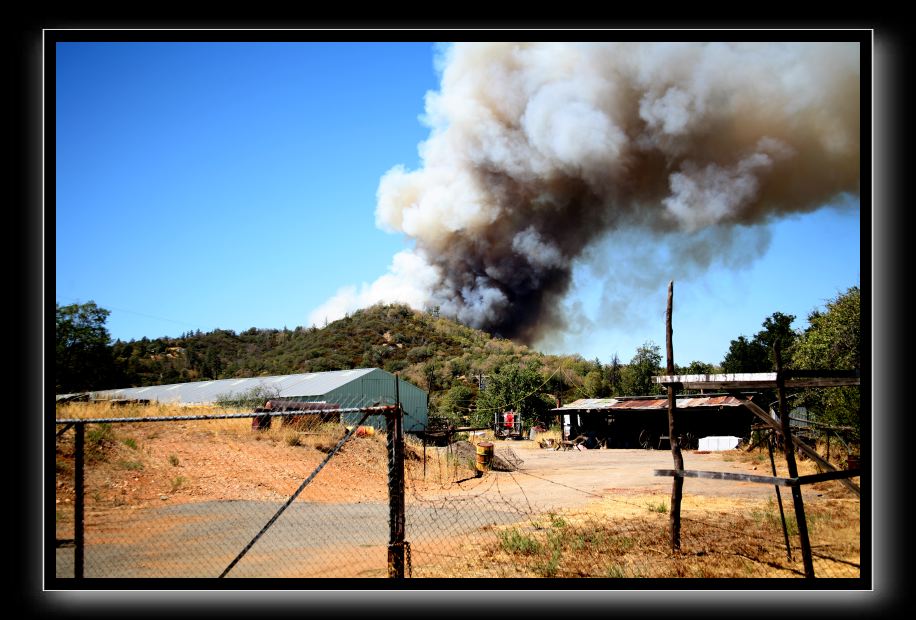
<point>530,515</point>
<point>224,495</point>
<point>310,496</point>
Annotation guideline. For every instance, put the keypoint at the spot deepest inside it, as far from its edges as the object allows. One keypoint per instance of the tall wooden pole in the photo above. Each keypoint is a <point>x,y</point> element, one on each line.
<point>677,484</point>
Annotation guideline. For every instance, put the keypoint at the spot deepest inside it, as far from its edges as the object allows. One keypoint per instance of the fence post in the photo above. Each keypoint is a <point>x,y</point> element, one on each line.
<point>789,447</point>
<point>78,484</point>
<point>782,514</point>
<point>396,544</point>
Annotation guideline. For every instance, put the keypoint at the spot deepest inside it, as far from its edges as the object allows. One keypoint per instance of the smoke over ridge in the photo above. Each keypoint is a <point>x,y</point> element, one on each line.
<point>539,152</point>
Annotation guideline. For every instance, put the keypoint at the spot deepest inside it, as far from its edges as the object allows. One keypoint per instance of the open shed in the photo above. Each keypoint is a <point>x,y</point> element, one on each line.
<point>638,421</point>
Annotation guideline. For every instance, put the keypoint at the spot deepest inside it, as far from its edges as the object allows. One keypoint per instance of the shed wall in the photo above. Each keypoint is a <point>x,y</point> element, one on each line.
<point>378,387</point>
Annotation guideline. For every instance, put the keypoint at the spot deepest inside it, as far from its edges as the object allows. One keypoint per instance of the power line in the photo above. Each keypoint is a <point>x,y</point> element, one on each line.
<point>149,316</point>
<point>515,402</point>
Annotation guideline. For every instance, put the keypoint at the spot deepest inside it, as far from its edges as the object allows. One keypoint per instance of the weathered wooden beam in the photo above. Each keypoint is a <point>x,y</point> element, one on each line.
<point>723,475</point>
<point>805,448</point>
<point>774,480</point>
<point>757,380</point>
<point>750,385</point>
<point>828,475</point>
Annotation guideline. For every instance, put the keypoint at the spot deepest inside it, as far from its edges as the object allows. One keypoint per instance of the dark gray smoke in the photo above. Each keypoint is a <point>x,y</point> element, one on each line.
<point>539,151</point>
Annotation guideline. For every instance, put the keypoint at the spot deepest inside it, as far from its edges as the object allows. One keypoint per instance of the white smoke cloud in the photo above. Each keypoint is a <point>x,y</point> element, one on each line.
<point>409,280</point>
<point>536,250</point>
<point>539,151</point>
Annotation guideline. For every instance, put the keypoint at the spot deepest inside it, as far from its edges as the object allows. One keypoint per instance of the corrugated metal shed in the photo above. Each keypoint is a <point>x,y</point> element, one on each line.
<point>629,422</point>
<point>359,387</point>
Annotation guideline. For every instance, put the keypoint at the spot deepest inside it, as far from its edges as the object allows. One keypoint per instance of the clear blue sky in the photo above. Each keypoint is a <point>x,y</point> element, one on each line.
<point>204,186</point>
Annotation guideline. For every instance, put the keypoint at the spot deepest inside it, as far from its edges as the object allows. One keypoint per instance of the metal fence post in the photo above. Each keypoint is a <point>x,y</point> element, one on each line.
<point>396,544</point>
<point>78,484</point>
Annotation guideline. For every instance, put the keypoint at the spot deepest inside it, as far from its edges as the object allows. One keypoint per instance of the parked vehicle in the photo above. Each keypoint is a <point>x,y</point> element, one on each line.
<point>508,425</point>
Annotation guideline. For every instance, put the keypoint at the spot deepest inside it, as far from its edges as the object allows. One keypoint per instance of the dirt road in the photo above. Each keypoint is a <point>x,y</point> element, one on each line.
<point>572,477</point>
<point>200,539</point>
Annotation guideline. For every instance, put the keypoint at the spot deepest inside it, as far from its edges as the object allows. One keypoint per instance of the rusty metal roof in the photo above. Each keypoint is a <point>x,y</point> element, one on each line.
<point>618,404</point>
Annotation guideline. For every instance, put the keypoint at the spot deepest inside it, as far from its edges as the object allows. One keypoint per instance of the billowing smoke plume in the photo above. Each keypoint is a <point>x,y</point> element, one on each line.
<point>539,151</point>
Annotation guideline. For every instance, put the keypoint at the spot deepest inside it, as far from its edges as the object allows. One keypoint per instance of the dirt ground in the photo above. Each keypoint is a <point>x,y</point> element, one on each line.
<point>135,468</point>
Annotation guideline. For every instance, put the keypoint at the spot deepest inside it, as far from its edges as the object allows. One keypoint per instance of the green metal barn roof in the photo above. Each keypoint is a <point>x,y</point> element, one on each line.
<point>306,384</point>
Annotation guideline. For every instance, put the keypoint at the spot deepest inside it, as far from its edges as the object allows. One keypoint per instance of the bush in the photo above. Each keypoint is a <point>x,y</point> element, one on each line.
<point>514,541</point>
<point>254,397</point>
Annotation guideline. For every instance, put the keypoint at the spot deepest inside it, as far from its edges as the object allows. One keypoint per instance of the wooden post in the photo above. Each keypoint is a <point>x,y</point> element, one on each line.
<point>789,449</point>
<point>782,514</point>
<point>677,484</point>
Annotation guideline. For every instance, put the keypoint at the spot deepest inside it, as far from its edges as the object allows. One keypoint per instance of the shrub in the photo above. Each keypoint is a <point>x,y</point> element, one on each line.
<point>254,397</point>
<point>98,437</point>
<point>514,541</point>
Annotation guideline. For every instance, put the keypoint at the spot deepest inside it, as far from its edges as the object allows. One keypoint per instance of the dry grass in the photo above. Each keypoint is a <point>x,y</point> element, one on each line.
<point>234,428</point>
<point>626,535</point>
<point>630,539</point>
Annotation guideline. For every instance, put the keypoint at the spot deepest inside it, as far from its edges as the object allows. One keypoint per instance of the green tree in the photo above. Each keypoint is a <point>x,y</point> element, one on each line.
<point>746,356</point>
<point>457,403</point>
<point>431,375</point>
<point>512,387</point>
<point>832,341</point>
<point>615,376</point>
<point>83,359</point>
<point>637,376</point>
<point>595,385</point>
<point>698,368</point>
<point>756,355</point>
<point>778,326</point>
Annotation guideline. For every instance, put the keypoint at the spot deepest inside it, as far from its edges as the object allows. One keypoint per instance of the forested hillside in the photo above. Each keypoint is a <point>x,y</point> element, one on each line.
<point>435,353</point>
<point>461,368</point>
<point>393,337</point>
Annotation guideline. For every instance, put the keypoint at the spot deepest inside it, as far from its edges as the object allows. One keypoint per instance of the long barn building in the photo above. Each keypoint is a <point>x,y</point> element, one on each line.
<point>360,387</point>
